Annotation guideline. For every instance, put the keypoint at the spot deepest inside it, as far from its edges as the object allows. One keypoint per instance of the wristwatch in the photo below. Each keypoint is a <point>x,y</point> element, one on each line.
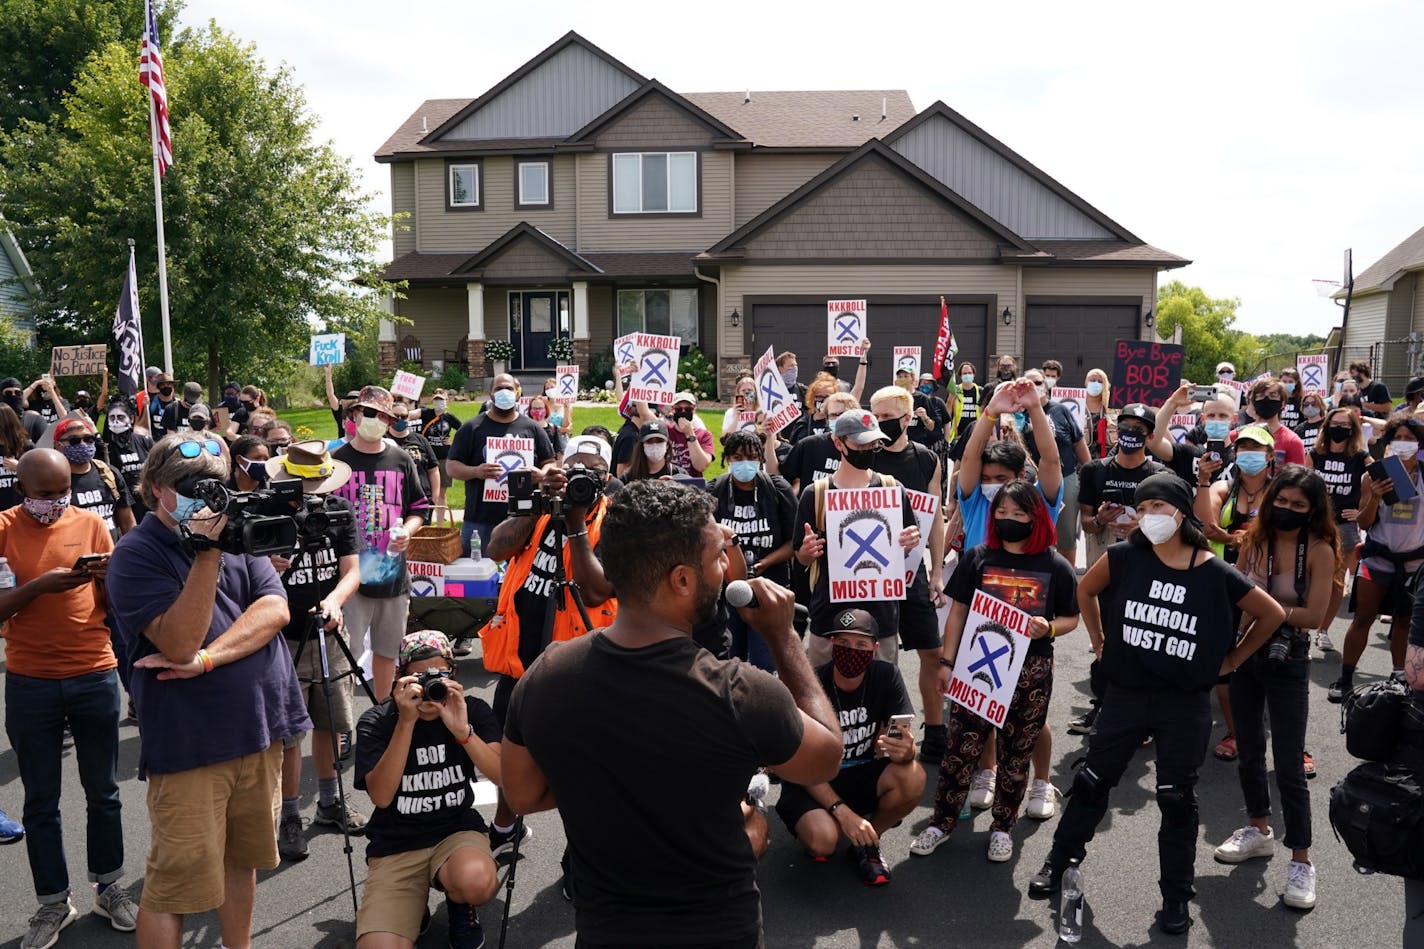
<point>833,805</point>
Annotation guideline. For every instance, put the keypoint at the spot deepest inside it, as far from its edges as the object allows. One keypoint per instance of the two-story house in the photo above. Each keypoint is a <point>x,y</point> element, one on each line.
<point>17,284</point>
<point>578,198</point>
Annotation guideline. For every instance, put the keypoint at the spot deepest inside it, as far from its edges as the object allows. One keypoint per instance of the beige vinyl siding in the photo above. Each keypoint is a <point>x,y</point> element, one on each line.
<point>598,230</point>
<point>1367,319</point>
<point>1417,320</point>
<point>600,319</point>
<point>496,313</point>
<point>439,317</point>
<point>762,180</point>
<point>1090,282</point>
<point>441,230</point>
<point>403,202</point>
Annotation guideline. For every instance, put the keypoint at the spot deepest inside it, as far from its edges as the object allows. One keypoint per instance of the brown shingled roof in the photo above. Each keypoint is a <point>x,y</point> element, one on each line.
<point>1408,255</point>
<point>406,139</point>
<point>1109,252</point>
<point>421,267</point>
<point>676,263</point>
<point>813,119</point>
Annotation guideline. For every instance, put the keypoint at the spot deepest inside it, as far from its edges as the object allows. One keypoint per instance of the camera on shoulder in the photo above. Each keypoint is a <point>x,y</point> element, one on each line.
<point>273,520</point>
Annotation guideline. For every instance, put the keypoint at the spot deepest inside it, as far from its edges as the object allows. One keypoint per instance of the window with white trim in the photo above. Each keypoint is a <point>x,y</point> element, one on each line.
<point>464,185</point>
<point>671,312</point>
<point>533,183</point>
<point>655,183</point>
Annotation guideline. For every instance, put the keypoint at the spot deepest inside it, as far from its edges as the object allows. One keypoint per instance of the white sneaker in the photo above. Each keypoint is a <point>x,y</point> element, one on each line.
<point>981,790</point>
<point>1245,844</point>
<point>1042,801</point>
<point>1322,641</point>
<point>1001,847</point>
<point>1300,885</point>
<point>929,838</point>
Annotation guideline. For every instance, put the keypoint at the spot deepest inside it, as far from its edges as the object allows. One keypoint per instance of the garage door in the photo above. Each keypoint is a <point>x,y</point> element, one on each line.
<point>801,329</point>
<point>1081,337</point>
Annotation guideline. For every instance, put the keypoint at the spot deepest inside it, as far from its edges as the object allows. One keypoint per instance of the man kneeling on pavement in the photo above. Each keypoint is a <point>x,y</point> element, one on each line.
<point>416,754</point>
<point>880,781</point>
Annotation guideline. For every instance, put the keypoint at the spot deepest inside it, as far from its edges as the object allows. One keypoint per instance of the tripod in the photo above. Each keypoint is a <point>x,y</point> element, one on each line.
<point>317,628</point>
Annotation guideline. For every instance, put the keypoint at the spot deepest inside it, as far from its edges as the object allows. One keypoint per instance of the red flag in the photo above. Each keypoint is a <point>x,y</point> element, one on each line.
<point>150,73</point>
<point>946,346</point>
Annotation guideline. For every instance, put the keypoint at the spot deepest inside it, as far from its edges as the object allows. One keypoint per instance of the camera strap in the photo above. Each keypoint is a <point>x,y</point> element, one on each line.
<point>1302,547</point>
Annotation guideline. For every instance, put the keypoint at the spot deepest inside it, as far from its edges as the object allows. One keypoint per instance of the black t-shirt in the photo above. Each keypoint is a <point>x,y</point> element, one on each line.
<point>1375,392</point>
<point>939,414</point>
<point>340,419</point>
<point>659,853</point>
<point>805,426</point>
<point>315,573</point>
<point>968,409</point>
<point>88,491</point>
<point>1065,432</point>
<point>1344,476</point>
<point>810,460</point>
<point>157,411</point>
<point>9,493</point>
<point>1042,584</point>
<point>1186,459</point>
<point>1309,432</point>
<point>175,416</point>
<point>469,449</point>
<point>422,453</point>
<point>623,444</point>
<point>866,708</point>
<point>1106,473</point>
<point>127,453</point>
<point>435,798</point>
<point>1290,413</point>
<point>50,413</point>
<point>913,466</point>
<point>761,517</point>
<point>438,430</point>
<point>384,489</point>
<point>1166,629</point>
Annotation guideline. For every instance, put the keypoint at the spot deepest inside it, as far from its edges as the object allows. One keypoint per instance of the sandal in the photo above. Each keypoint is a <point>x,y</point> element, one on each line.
<point>1309,765</point>
<point>1226,748</point>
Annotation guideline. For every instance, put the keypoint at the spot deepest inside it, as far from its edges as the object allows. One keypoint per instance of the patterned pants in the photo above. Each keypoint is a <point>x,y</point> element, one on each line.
<point>967,735</point>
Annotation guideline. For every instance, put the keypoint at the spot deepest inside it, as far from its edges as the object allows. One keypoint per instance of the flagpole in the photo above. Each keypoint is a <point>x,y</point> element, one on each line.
<point>162,250</point>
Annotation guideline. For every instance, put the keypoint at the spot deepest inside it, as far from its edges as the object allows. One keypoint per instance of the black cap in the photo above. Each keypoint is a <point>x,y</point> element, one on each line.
<point>854,621</point>
<point>1414,386</point>
<point>653,429</point>
<point>1139,411</point>
<point>1166,486</point>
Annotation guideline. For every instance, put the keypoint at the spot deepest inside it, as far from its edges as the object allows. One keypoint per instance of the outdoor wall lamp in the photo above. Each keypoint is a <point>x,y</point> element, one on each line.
<point>736,319</point>
<point>1149,319</point>
<point>1008,316</point>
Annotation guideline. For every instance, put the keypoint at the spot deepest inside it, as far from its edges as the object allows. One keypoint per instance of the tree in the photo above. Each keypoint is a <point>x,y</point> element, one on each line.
<point>1207,331</point>
<point>267,230</point>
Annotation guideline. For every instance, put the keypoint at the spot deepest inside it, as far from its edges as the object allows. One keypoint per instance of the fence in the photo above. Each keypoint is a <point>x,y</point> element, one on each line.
<point>1395,361</point>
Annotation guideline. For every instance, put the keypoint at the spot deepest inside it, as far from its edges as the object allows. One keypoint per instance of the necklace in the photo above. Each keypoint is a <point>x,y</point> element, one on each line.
<point>859,699</point>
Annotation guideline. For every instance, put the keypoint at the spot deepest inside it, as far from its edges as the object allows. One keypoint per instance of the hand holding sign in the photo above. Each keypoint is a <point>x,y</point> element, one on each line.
<point>327,350</point>
<point>776,402</point>
<point>509,454</point>
<point>846,328</point>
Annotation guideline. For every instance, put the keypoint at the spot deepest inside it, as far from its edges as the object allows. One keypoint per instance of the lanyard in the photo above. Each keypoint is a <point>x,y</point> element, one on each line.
<point>1302,545</point>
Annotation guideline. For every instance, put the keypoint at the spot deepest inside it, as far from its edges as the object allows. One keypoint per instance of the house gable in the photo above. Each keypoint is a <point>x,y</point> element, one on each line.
<point>655,117</point>
<point>525,251</point>
<point>992,176</point>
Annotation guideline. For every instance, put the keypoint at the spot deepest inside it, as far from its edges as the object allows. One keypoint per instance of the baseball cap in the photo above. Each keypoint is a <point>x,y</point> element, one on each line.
<point>199,410</point>
<point>192,392</point>
<point>854,621</point>
<point>927,377</point>
<point>1258,434</point>
<point>1414,386</point>
<point>152,371</point>
<point>374,397</point>
<point>684,397</point>
<point>653,429</point>
<point>1139,411</point>
<point>589,445</point>
<point>859,428</point>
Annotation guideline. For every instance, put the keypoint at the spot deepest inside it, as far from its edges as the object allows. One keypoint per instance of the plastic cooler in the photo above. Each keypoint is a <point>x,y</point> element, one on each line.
<point>472,578</point>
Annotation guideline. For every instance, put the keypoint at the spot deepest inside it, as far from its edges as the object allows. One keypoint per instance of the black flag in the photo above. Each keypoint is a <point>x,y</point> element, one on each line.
<point>128,335</point>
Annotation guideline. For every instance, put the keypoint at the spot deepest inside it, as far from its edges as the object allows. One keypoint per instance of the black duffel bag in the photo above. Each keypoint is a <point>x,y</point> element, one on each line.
<point>1378,812</point>
<point>1372,719</point>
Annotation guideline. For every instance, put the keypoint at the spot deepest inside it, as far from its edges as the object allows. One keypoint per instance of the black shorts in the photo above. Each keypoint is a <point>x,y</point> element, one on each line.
<point>919,623</point>
<point>855,785</point>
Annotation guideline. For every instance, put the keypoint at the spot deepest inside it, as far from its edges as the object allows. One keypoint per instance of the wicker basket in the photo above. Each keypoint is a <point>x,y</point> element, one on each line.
<point>436,542</point>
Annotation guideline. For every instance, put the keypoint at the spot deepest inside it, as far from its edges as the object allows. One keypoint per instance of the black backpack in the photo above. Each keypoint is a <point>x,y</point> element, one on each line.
<point>1372,719</point>
<point>1378,812</point>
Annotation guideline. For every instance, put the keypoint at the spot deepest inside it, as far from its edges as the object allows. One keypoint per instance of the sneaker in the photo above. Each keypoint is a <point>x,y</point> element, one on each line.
<point>1174,918</point>
<point>1300,885</point>
<point>291,842</point>
<point>332,815</point>
<point>873,871</point>
<point>1001,847</point>
<point>1042,801</point>
<point>566,885</point>
<point>46,924</point>
<point>502,841</point>
<point>966,812</point>
<point>981,790</point>
<point>463,646</point>
<point>1395,676</point>
<point>130,715</point>
<point>11,830</point>
<point>1337,690</point>
<point>1246,844</point>
<point>1309,765</point>
<point>935,742</point>
<point>115,905</point>
<point>1046,882</point>
<point>1322,641</point>
<point>928,839</point>
<point>465,929</point>
<point>757,791</point>
<point>1083,724</point>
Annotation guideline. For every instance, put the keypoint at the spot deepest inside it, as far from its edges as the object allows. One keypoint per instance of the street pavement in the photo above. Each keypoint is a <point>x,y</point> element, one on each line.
<point>953,898</point>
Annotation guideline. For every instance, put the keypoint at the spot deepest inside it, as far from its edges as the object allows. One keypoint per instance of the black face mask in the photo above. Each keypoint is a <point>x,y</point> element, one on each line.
<point>1012,531</point>
<point>893,428</point>
<point>1130,440</point>
<point>831,369</point>
<point>1338,433</point>
<point>17,403</point>
<point>166,392</point>
<point>1284,519</point>
<point>1267,408</point>
<point>860,460</point>
<point>687,414</point>
<point>1005,375</point>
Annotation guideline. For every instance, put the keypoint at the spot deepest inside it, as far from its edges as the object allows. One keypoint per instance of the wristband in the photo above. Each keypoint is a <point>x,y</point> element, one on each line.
<point>577,534</point>
<point>206,660</point>
<point>467,738</point>
<point>833,805</point>
<point>991,417</point>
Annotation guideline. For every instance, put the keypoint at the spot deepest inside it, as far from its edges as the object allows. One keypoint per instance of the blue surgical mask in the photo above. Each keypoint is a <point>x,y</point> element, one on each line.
<point>967,378</point>
<point>744,471</point>
<point>927,388</point>
<point>1251,462</point>
<point>505,399</point>
<point>185,508</point>
<point>1094,387</point>
<point>1290,387</point>
<point>1217,430</point>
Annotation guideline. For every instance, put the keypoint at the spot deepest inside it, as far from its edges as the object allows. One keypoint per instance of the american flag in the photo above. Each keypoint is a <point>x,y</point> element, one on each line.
<point>150,73</point>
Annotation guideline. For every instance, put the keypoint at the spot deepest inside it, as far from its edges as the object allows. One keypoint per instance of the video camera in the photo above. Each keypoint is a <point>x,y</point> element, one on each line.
<point>583,489</point>
<point>275,520</point>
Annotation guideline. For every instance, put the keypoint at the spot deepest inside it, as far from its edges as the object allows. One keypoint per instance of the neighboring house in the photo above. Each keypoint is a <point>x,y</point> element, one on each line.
<point>17,286</point>
<point>1386,307</point>
<point>579,198</point>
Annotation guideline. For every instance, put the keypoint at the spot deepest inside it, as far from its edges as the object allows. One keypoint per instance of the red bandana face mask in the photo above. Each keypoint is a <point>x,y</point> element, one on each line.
<point>851,663</point>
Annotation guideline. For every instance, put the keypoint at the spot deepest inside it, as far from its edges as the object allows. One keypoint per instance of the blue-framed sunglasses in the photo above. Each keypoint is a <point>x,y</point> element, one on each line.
<point>191,449</point>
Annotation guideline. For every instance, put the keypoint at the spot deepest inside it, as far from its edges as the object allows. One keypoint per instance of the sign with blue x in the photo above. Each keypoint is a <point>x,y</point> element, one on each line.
<point>566,388</point>
<point>845,321</point>
<point>773,398</point>
<point>655,379</point>
<point>510,454</point>
<point>992,649</point>
<point>864,556</point>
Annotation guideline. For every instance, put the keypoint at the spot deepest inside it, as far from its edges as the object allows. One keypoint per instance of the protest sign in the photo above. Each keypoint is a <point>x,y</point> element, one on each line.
<point>746,421</point>
<point>845,327</point>
<point>407,385</point>
<point>625,350</point>
<point>908,359</point>
<point>1313,370</point>
<point>327,350</point>
<point>1145,372</point>
<point>991,655</point>
<point>566,384</point>
<point>862,544</point>
<point>87,360</point>
<point>510,454</point>
<point>775,400</point>
<point>924,505</point>
<point>426,579</point>
<point>1075,401</point>
<point>1180,425</point>
<point>655,379</point>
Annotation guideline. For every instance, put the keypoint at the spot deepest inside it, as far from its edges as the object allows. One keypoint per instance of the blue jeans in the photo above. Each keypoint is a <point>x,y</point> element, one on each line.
<point>35,713</point>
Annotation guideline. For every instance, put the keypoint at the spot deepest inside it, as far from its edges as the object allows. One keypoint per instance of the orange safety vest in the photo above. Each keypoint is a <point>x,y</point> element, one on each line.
<point>500,635</point>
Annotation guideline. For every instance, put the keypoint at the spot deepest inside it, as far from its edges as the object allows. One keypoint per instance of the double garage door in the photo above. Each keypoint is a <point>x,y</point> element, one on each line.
<point>1080,336</point>
<point>801,328</point>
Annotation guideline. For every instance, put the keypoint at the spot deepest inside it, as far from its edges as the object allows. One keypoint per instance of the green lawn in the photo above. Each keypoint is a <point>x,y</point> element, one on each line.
<point>317,423</point>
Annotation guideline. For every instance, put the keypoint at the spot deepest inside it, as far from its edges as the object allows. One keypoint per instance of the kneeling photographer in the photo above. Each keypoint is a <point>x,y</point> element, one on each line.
<point>553,588</point>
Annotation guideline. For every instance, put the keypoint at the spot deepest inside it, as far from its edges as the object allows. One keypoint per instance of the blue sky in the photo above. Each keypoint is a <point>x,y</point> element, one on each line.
<point>1258,139</point>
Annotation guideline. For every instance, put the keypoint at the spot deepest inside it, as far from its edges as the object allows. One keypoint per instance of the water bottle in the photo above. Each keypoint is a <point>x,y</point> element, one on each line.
<point>397,532</point>
<point>7,576</point>
<point>475,553</point>
<point>1070,908</point>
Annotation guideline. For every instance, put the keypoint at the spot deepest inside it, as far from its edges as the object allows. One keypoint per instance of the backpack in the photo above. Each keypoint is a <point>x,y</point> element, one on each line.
<point>1372,718</point>
<point>106,475</point>
<point>1377,811</point>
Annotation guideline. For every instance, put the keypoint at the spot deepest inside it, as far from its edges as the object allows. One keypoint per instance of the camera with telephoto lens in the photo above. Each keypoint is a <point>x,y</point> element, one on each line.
<point>1278,649</point>
<point>582,489</point>
<point>268,521</point>
<point>432,686</point>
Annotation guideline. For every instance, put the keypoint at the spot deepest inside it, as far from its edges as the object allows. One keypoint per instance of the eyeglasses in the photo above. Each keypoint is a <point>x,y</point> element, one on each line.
<point>191,449</point>
<point>86,439</point>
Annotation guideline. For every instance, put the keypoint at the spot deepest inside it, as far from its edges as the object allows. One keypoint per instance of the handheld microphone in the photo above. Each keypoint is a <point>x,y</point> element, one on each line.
<point>740,593</point>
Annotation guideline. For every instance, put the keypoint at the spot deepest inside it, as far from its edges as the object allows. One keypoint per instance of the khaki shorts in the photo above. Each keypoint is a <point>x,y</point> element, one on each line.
<point>383,618</point>
<point>309,681</point>
<point>398,886</point>
<point>206,817</point>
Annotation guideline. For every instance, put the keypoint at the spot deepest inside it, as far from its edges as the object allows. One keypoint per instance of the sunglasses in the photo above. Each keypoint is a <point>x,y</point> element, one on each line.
<point>192,449</point>
<point>375,413</point>
<point>86,439</point>
<point>279,447</point>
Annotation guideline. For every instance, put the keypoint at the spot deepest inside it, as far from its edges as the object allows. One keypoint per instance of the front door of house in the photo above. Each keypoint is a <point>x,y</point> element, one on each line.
<point>533,324</point>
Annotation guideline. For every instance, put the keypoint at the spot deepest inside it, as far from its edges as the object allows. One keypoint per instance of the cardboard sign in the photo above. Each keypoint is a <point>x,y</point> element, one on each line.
<point>655,379</point>
<point>566,384</point>
<point>625,350</point>
<point>863,550</point>
<point>746,421</point>
<point>925,507</point>
<point>991,655</point>
<point>845,327</point>
<point>775,400</point>
<point>1180,425</point>
<point>1313,370</point>
<point>511,454</point>
<point>327,350</point>
<point>1145,372</point>
<point>426,579</point>
<point>407,385</point>
<point>1075,401</point>
<point>87,360</point>
<point>908,359</point>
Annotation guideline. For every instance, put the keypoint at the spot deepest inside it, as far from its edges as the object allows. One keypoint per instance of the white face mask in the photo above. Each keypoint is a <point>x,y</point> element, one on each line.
<point>1404,448</point>
<point>989,489</point>
<point>371,429</point>
<point>1159,528</point>
<point>655,451</point>
<point>118,424</point>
